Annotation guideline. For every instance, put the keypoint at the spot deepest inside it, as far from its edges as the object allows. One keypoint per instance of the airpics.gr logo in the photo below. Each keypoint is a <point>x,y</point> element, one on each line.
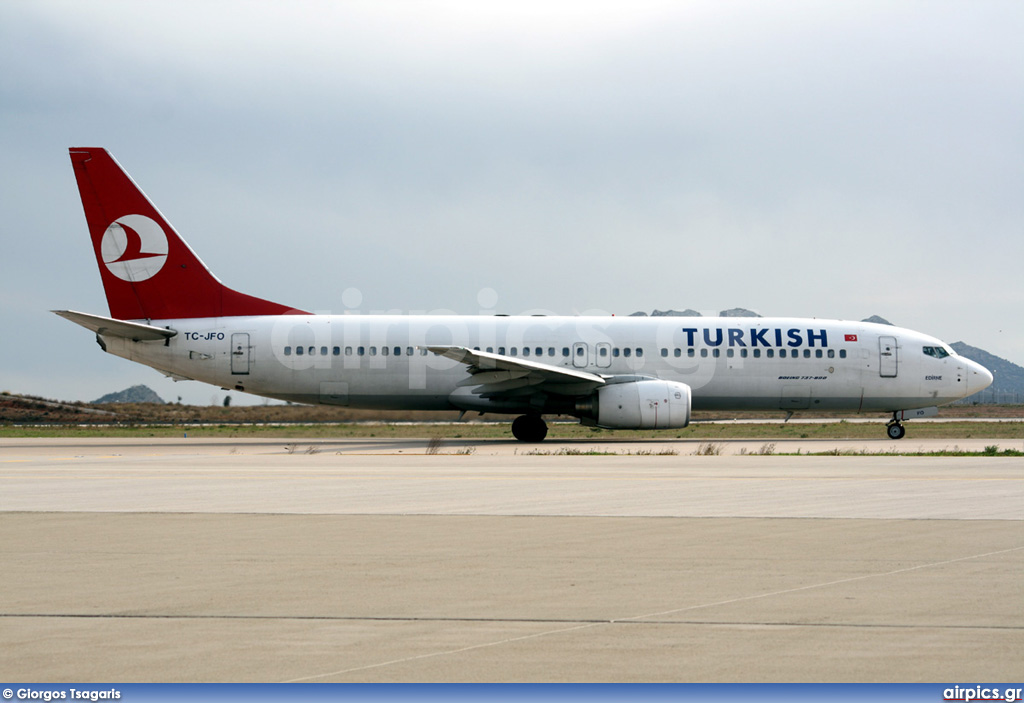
<point>134,248</point>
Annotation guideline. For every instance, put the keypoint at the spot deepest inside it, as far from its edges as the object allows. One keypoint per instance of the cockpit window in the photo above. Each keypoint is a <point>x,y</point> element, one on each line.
<point>937,352</point>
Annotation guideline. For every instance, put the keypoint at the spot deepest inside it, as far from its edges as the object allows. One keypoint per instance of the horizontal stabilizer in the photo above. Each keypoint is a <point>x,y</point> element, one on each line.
<point>135,331</point>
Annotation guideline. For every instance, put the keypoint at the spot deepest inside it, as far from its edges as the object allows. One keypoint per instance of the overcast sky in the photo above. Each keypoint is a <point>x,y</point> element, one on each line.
<point>815,159</point>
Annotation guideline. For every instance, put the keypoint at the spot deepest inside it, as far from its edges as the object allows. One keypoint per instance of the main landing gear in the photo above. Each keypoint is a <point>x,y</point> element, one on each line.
<point>895,428</point>
<point>529,428</point>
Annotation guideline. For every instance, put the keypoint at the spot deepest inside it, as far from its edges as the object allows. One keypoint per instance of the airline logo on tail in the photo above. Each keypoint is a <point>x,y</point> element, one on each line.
<point>134,248</point>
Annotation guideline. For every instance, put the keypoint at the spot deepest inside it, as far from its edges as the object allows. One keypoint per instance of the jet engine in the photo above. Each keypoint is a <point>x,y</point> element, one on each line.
<point>639,405</point>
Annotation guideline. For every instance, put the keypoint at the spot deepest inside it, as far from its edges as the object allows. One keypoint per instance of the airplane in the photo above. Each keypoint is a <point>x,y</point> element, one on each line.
<point>169,312</point>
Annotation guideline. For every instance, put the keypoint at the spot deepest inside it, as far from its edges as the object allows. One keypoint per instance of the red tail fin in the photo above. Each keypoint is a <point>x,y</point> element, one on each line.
<point>148,271</point>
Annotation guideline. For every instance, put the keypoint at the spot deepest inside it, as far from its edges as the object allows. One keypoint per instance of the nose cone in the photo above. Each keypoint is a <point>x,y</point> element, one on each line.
<point>978,377</point>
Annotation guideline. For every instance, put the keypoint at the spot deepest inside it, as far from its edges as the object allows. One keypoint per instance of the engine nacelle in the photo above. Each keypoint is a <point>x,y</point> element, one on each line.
<point>643,405</point>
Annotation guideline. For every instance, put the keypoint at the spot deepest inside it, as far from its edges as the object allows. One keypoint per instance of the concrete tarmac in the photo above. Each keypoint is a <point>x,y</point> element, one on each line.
<point>372,560</point>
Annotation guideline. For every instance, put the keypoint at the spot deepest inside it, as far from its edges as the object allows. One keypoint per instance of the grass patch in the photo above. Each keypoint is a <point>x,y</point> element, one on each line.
<point>568,451</point>
<point>709,449</point>
<point>709,432</point>
<point>766,449</point>
<point>955,451</point>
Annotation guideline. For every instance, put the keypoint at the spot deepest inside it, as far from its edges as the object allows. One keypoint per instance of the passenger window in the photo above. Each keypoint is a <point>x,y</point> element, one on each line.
<point>501,350</point>
<point>716,352</point>
<point>782,353</point>
<point>639,352</point>
<point>818,353</point>
<point>664,352</point>
<point>842,353</point>
<point>383,351</point>
<point>287,351</point>
<point>513,351</point>
<point>743,353</point>
<point>539,351</point>
<point>361,351</point>
<point>602,351</point>
<point>337,351</point>
<point>551,351</point>
<point>831,353</point>
<point>526,351</point>
<point>757,353</point>
<point>490,350</point>
<point>678,352</point>
<point>615,351</point>
<point>627,351</point>
<point>299,351</point>
<point>373,351</point>
<point>312,351</point>
<point>408,351</point>
<point>770,353</point>
<point>348,351</point>
<point>565,351</point>
<point>807,353</point>
<point>704,353</point>
<point>730,353</point>
<point>323,351</point>
<point>579,351</point>
<point>691,352</point>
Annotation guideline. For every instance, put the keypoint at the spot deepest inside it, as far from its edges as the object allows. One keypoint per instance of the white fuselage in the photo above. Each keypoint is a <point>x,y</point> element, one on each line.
<point>381,361</point>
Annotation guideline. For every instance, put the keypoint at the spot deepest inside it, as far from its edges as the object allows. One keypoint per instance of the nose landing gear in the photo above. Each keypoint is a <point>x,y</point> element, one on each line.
<point>895,428</point>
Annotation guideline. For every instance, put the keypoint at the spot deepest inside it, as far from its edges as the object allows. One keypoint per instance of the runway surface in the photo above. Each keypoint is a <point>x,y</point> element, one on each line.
<point>371,560</point>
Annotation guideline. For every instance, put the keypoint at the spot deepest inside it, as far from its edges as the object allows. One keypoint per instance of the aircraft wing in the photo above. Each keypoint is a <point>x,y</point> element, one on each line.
<point>136,331</point>
<point>498,376</point>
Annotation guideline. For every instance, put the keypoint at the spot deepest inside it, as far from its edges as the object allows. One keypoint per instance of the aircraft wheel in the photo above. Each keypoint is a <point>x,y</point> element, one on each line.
<point>895,430</point>
<point>529,428</point>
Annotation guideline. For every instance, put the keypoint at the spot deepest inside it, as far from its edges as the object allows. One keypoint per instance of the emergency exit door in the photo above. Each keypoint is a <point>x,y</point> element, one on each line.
<point>580,355</point>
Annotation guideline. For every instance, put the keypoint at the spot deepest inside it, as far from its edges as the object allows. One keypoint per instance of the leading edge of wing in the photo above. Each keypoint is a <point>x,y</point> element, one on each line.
<point>481,361</point>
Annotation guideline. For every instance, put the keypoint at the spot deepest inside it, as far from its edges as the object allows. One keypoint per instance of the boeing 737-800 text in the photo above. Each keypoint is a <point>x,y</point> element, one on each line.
<point>169,312</point>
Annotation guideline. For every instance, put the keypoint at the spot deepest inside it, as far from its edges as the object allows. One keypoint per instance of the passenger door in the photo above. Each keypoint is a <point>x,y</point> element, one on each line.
<point>240,353</point>
<point>888,357</point>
